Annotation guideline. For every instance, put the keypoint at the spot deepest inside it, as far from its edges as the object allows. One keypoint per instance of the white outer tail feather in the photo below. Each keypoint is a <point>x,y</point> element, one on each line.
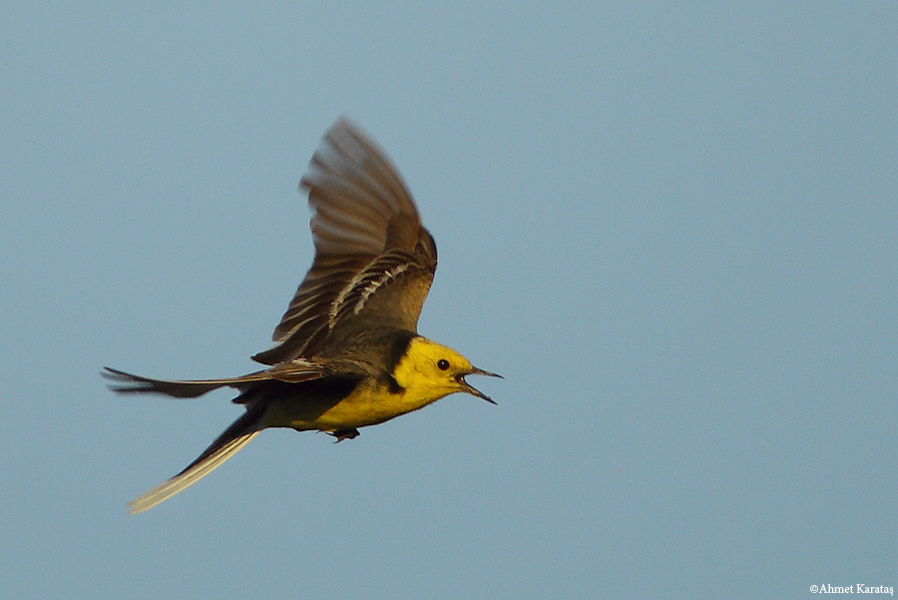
<point>191,475</point>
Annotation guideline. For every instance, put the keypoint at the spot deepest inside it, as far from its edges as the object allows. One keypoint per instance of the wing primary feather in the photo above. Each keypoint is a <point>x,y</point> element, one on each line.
<point>369,242</point>
<point>296,370</point>
<point>128,383</point>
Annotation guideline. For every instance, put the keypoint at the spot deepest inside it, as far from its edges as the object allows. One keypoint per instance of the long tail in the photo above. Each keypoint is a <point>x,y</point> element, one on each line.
<point>228,443</point>
<point>126,383</point>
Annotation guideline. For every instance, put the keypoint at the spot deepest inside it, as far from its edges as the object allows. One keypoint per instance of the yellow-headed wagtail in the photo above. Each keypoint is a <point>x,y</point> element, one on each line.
<point>348,354</point>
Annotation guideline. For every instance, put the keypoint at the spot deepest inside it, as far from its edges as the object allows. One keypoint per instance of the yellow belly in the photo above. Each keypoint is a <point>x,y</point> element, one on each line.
<point>368,404</point>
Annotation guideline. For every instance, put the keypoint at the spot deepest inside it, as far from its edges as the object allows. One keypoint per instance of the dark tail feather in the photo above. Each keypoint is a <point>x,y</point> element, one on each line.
<point>228,443</point>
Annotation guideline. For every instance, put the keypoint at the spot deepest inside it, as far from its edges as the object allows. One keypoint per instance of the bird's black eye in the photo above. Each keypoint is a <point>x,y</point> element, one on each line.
<point>443,364</point>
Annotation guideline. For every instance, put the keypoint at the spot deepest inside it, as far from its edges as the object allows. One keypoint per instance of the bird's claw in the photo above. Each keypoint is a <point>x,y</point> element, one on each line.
<point>344,434</point>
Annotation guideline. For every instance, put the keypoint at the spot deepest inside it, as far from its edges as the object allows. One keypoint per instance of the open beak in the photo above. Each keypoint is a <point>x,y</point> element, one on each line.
<point>467,387</point>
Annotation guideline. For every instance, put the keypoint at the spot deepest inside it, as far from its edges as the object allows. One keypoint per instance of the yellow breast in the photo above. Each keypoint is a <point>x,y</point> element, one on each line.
<point>369,404</point>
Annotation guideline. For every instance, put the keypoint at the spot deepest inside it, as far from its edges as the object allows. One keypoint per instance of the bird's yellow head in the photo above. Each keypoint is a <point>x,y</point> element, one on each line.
<point>432,370</point>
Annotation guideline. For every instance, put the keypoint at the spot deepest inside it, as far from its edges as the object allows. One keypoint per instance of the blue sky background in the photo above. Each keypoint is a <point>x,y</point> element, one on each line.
<point>672,228</point>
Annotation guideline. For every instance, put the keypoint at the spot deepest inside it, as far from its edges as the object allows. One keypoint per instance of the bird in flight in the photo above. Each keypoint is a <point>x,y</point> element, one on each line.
<point>347,351</point>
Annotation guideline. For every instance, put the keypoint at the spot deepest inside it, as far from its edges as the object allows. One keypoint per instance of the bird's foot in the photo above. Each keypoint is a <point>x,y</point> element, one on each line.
<point>344,434</point>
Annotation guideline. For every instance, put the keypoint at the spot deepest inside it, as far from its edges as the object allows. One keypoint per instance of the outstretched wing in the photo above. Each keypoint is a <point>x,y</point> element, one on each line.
<point>374,261</point>
<point>295,371</point>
